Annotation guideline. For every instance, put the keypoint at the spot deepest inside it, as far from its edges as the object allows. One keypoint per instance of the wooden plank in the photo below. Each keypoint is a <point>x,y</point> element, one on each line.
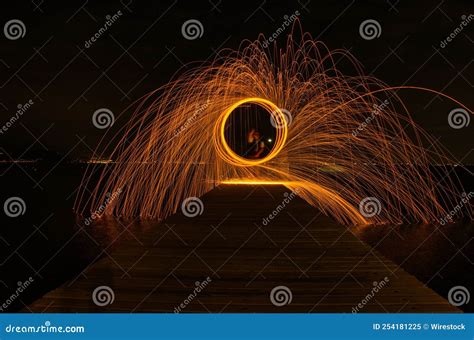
<point>154,267</point>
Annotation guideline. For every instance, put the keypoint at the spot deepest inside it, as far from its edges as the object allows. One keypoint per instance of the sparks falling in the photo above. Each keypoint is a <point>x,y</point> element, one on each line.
<point>339,139</point>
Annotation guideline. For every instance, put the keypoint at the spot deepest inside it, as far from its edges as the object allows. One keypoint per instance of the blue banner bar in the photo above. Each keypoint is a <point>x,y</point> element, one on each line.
<point>237,326</point>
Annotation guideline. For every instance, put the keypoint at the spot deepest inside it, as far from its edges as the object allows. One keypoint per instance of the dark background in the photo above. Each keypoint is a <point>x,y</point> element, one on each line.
<point>141,51</point>
<point>144,48</point>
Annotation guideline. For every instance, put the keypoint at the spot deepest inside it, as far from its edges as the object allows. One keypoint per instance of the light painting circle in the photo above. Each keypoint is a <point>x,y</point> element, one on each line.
<point>225,151</point>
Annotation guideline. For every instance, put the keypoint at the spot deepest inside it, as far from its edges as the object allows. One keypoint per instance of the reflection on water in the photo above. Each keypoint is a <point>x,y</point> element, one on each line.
<point>51,245</point>
<point>439,256</point>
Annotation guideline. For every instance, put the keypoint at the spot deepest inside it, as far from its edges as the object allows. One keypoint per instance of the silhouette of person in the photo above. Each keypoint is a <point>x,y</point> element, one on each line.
<point>257,147</point>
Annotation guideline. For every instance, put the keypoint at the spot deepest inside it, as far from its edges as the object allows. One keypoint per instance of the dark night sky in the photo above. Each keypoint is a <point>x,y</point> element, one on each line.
<point>145,47</point>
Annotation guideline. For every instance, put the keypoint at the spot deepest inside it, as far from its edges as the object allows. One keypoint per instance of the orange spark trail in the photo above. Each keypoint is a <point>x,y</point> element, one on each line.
<point>339,140</point>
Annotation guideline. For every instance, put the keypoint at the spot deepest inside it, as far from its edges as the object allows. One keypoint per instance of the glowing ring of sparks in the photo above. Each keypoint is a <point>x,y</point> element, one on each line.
<point>333,159</point>
<point>224,150</point>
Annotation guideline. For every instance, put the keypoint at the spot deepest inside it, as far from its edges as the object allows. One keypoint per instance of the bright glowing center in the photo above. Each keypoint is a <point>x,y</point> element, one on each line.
<point>225,151</point>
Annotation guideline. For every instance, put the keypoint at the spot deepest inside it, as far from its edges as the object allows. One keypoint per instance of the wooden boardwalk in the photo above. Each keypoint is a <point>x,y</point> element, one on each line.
<point>155,267</point>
